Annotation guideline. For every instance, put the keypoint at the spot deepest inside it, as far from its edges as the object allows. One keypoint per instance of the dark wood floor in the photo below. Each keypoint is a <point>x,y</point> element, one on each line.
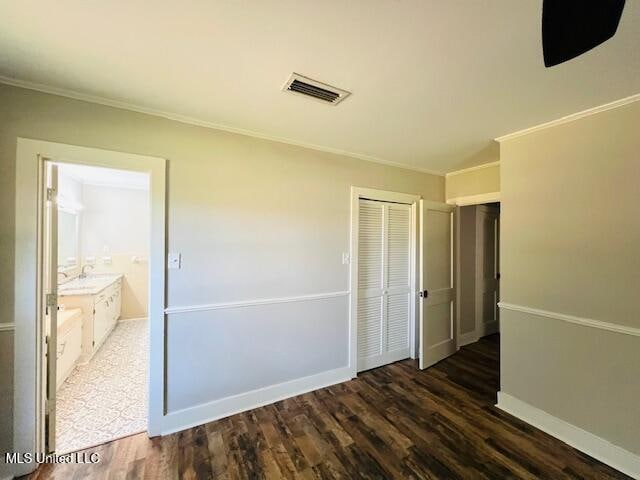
<point>392,422</point>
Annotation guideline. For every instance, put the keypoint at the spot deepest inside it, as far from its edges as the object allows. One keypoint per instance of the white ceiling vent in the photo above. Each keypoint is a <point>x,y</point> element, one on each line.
<point>312,88</point>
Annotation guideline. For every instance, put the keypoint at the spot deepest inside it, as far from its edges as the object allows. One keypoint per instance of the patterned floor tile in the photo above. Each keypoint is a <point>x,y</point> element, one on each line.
<point>106,398</point>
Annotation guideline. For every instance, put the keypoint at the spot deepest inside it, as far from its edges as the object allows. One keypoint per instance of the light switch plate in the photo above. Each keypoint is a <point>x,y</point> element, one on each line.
<point>174,261</point>
<point>346,258</point>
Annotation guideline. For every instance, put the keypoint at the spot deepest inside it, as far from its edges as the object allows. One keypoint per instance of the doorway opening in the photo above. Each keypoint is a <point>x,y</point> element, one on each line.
<point>36,286</point>
<point>96,279</point>
<point>478,272</point>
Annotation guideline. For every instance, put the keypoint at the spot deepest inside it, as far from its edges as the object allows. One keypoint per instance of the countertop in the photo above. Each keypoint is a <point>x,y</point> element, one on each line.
<point>90,285</point>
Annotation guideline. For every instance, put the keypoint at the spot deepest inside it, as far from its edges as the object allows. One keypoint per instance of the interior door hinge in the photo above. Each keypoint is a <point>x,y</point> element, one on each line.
<point>52,300</point>
<point>424,294</point>
<point>51,194</point>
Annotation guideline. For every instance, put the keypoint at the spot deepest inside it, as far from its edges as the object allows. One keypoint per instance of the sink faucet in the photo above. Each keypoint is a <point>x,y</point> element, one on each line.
<point>83,273</point>
<point>64,274</point>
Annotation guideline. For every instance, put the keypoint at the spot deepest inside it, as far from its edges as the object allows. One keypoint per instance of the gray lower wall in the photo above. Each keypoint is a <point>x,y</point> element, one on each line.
<point>586,376</point>
<point>277,346</point>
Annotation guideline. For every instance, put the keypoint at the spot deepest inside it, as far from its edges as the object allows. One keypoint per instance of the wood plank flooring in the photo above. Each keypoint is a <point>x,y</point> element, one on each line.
<point>391,422</point>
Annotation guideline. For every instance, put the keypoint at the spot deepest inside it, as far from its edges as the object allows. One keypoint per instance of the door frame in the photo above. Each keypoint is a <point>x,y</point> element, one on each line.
<point>358,193</point>
<point>28,375</point>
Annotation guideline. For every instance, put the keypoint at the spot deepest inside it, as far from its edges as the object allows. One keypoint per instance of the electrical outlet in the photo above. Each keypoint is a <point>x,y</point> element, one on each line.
<point>346,258</point>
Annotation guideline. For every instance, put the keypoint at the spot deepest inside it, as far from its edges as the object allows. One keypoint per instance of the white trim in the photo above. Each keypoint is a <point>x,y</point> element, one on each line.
<point>474,199</point>
<point>570,118</point>
<point>63,92</point>
<point>473,169</point>
<point>7,327</point>
<point>598,448</point>
<point>224,407</point>
<point>251,303</point>
<point>467,338</point>
<point>30,158</point>
<point>587,322</point>
<point>381,195</point>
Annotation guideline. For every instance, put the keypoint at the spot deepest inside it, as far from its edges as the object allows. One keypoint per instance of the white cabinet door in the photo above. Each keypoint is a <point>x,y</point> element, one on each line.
<point>384,283</point>
<point>101,322</point>
<point>437,316</point>
<point>69,349</point>
<point>117,300</point>
<point>111,309</point>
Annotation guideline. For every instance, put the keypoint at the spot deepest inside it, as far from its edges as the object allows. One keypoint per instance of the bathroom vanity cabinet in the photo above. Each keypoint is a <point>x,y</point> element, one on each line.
<point>69,342</point>
<point>100,299</point>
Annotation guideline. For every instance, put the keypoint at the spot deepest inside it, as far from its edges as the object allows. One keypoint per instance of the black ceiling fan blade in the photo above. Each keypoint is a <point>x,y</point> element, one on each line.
<point>573,27</point>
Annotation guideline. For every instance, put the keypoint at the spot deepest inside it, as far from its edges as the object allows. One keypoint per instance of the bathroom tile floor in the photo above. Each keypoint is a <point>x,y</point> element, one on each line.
<point>106,399</point>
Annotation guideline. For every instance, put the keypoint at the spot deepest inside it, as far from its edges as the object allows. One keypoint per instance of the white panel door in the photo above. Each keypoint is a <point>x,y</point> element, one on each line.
<point>437,291</point>
<point>487,270</point>
<point>384,283</point>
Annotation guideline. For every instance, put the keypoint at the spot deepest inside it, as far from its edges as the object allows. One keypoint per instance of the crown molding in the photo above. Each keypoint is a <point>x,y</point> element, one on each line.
<point>63,92</point>
<point>570,118</point>
<point>472,169</point>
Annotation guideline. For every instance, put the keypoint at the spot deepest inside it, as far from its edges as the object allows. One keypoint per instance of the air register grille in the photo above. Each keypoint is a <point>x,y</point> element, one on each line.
<point>312,88</point>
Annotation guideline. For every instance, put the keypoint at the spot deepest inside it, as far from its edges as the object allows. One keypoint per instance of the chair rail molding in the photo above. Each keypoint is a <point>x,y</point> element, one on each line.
<point>253,302</point>
<point>587,322</point>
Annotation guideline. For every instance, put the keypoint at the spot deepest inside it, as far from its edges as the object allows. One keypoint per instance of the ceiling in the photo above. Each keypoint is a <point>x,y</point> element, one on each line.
<point>432,82</point>
<point>107,177</point>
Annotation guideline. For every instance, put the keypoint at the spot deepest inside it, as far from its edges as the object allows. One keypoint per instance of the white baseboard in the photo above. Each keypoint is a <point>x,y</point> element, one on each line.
<point>598,448</point>
<point>467,338</point>
<point>224,407</point>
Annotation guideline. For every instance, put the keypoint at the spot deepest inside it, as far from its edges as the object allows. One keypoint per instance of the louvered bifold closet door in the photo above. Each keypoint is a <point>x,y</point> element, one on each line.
<point>384,283</point>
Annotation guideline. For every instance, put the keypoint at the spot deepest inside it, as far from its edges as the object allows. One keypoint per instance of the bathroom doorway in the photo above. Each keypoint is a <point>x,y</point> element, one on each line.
<point>97,234</point>
<point>34,415</point>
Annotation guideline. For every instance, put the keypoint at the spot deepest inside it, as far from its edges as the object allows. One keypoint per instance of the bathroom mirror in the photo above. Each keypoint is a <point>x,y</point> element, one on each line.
<point>67,240</point>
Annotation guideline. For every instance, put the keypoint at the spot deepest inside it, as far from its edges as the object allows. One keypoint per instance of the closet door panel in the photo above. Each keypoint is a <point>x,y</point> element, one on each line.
<point>384,283</point>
